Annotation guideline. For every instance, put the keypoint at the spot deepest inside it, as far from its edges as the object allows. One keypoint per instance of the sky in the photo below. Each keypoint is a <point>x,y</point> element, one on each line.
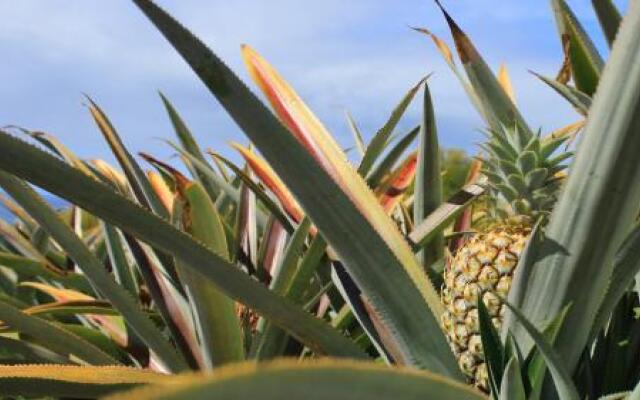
<point>357,55</point>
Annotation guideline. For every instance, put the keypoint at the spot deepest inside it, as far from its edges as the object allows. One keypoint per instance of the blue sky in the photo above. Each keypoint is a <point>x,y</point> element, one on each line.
<point>356,55</point>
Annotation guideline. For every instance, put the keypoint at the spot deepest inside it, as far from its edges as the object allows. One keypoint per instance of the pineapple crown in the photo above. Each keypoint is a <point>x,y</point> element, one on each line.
<point>524,171</point>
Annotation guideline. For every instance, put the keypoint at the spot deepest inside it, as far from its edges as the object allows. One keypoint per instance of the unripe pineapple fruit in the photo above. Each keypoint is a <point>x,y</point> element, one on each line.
<point>522,170</point>
<point>483,266</point>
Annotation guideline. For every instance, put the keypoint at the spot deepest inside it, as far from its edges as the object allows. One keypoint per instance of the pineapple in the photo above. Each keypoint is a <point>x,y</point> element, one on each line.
<point>524,173</point>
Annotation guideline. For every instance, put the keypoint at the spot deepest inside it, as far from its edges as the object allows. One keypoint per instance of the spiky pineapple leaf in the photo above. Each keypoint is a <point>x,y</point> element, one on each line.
<point>562,378</point>
<point>391,158</point>
<point>446,53</point>
<point>206,170</point>
<point>71,381</point>
<point>272,181</point>
<point>443,215</point>
<point>352,295</point>
<point>626,267</point>
<point>327,379</point>
<point>190,145</point>
<point>73,307</point>
<point>578,99</point>
<point>137,179</point>
<point>333,195</point>
<point>58,147</point>
<point>123,272</point>
<point>598,204</point>
<point>586,63</point>
<point>498,107</point>
<point>92,267</point>
<point>271,205</point>
<point>381,138</point>
<point>492,347</point>
<point>220,335</point>
<point>15,351</point>
<point>357,135</point>
<point>272,339</point>
<point>512,387</point>
<point>522,275</point>
<point>609,18</point>
<point>505,81</point>
<point>428,189</point>
<point>44,170</point>
<point>535,364</point>
<point>53,336</point>
<point>394,188</point>
<point>27,267</point>
<point>98,339</point>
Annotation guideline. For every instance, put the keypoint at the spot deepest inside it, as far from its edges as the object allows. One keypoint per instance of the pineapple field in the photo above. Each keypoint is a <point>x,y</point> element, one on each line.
<point>395,269</point>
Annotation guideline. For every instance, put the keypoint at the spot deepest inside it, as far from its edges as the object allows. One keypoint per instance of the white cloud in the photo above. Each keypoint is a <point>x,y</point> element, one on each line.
<point>355,54</point>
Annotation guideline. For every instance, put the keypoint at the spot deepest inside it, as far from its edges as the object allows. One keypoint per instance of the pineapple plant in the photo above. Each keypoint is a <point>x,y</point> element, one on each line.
<point>224,268</point>
<point>524,178</point>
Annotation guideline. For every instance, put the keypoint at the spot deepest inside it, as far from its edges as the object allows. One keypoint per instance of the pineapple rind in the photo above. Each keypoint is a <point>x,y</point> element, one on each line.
<point>483,266</point>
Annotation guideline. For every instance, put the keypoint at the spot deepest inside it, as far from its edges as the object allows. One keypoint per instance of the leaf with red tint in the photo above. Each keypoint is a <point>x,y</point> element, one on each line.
<point>397,183</point>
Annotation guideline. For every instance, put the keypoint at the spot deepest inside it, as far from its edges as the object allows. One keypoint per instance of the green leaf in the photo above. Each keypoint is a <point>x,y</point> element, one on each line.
<point>512,387</point>
<point>205,169</point>
<point>69,381</point>
<point>578,99</point>
<point>272,339</point>
<point>586,62</point>
<point>609,18</point>
<point>97,339</point>
<point>357,304</point>
<point>307,268</point>
<point>536,177</point>
<point>73,307</point>
<point>428,181</point>
<point>444,215</point>
<point>136,177</point>
<point>536,367</point>
<point>44,170</point>
<point>92,267</point>
<point>357,136</point>
<point>29,268</point>
<point>509,193</point>
<point>508,167</point>
<point>191,146</point>
<point>491,345</point>
<point>124,273</point>
<point>218,326</point>
<point>410,316</point>
<point>518,184</point>
<point>626,267</point>
<point>58,147</point>
<point>170,303</point>
<point>562,378</point>
<point>390,159</point>
<point>15,351</point>
<point>527,162</point>
<point>264,198</point>
<point>326,379</point>
<point>444,50</point>
<point>498,108</point>
<point>381,138</point>
<point>597,207</point>
<point>53,336</point>
<point>21,244</point>
<point>19,212</point>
